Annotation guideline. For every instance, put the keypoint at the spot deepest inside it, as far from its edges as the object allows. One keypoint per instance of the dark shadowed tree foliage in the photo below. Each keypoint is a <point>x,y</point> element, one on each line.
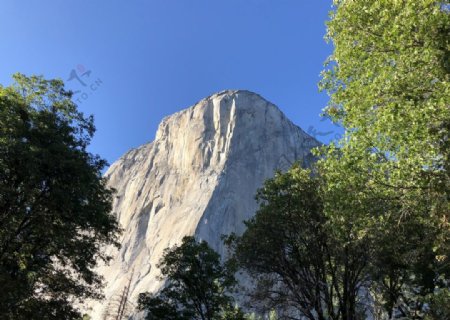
<point>197,285</point>
<point>439,306</point>
<point>54,205</point>
<point>301,265</point>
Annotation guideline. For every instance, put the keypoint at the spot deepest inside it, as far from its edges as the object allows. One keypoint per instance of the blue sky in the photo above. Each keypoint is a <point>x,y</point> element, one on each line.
<point>134,62</point>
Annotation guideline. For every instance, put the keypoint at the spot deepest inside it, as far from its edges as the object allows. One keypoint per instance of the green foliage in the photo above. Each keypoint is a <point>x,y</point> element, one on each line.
<point>273,315</point>
<point>197,285</point>
<point>233,313</point>
<point>296,257</point>
<point>388,80</point>
<point>439,306</point>
<point>388,178</point>
<point>54,205</point>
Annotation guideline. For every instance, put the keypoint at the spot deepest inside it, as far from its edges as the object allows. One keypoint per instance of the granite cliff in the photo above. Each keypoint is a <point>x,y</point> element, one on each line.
<point>198,177</point>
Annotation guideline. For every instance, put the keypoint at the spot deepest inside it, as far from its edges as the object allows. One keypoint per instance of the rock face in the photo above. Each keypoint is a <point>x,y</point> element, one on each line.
<point>199,177</point>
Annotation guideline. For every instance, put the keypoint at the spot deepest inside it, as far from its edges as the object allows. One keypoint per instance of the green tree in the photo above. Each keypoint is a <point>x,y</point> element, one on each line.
<point>54,205</point>
<point>197,285</point>
<point>388,178</point>
<point>439,307</point>
<point>301,265</point>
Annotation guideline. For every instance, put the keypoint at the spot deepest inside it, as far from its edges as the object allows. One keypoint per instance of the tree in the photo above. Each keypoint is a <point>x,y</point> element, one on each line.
<point>388,80</point>
<point>439,307</point>
<point>300,263</point>
<point>55,208</point>
<point>197,285</point>
<point>119,306</point>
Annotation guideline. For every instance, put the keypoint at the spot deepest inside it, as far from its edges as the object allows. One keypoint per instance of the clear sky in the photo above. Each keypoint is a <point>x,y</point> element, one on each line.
<point>134,62</point>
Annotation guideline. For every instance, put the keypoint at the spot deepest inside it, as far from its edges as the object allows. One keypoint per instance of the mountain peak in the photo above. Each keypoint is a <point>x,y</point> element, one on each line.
<point>237,94</point>
<point>227,106</point>
<point>198,177</point>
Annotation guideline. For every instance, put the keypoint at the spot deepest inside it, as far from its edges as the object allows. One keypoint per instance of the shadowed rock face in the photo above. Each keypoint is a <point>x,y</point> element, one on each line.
<point>199,177</point>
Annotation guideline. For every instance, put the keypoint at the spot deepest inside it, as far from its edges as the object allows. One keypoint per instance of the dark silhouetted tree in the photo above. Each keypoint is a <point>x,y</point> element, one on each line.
<point>301,265</point>
<point>55,209</point>
<point>197,285</point>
